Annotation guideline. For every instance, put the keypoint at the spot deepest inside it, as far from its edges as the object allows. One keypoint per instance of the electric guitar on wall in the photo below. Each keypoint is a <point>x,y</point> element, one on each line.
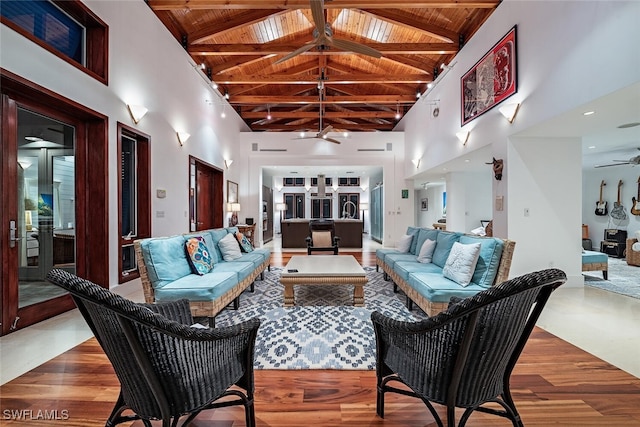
<point>618,210</point>
<point>635,206</point>
<point>601,206</point>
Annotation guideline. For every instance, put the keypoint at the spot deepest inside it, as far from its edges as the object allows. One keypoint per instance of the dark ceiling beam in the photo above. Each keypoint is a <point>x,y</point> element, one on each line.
<point>313,124</point>
<point>330,79</point>
<point>285,48</point>
<point>361,99</point>
<point>304,4</point>
<point>329,114</point>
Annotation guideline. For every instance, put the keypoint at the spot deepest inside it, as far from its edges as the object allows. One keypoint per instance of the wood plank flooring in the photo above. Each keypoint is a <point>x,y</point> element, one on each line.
<point>554,383</point>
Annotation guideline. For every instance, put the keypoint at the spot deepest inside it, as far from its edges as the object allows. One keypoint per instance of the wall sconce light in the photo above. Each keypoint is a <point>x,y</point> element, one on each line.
<point>335,187</point>
<point>416,163</point>
<point>227,163</point>
<point>182,137</point>
<point>463,136</point>
<point>307,187</point>
<point>509,111</point>
<point>137,112</point>
<point>279,187</point>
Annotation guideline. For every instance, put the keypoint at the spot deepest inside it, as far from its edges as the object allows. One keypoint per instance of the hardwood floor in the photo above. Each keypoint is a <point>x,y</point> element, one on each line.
<point>554,383</point>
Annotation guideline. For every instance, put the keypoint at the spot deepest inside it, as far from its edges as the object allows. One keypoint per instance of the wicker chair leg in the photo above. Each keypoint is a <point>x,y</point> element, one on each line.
<point>380,402</point>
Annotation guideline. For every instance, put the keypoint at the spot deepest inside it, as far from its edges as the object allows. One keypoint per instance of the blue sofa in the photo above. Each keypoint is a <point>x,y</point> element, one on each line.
<point>167,275</point>
<point>425,284</point>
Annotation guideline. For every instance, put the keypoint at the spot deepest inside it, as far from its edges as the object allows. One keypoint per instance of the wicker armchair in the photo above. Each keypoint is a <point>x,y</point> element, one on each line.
<point>166,368</point>
<point>322,236</point>
<point>464,356</point>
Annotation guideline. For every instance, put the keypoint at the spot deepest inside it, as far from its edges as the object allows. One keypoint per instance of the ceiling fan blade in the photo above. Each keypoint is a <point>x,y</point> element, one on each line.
<point>325,131</point>
<point>296,52</point>
<point>335,141</point>
<point>317,11</point>
<point>612,164</point>
<point>355,47</point>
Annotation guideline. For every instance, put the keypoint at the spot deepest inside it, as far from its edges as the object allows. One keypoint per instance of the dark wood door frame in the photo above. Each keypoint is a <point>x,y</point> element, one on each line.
<point>92,209</point>
<point>216,199</point>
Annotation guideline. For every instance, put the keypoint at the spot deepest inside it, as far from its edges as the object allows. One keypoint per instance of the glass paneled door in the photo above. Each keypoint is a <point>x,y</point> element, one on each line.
<point>42,232</point>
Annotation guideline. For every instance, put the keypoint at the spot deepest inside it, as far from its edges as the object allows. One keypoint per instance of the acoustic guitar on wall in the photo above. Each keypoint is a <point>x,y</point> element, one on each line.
<point>618,210</point>
<point>601,206</point>
<point>635,206</point>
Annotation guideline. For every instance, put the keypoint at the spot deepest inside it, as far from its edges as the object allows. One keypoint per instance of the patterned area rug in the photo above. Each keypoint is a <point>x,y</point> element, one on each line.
<point>622,278</point>
<point>323,330</point>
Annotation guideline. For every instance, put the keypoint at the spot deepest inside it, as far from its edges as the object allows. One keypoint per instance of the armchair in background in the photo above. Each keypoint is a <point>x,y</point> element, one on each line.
<point>322,236</point>
<point>464,356</point>
<point>166,367</point>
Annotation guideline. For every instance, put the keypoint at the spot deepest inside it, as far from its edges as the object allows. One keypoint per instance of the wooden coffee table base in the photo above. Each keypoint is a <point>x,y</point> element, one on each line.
<point>357,282</point>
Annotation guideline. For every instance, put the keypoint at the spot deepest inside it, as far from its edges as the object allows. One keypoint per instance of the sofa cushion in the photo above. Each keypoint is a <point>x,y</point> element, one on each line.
<point>216,235</point>
<point>444,242</point>
<point>413,231</point>
<point>198,255</point>
<point>461,262</point>
<point>382,253</point>
<point>391,258</point>
<point>198,288</point>
<point>424,234</point>
<point>436,288</point>
<point>240,268</point>
<point>404,244</point>
<point>405,268</point>
<point>165,258</point>
<point>489,260</point>
<point>255,258</point>
<point>426,251</point>
<point>229,248</point>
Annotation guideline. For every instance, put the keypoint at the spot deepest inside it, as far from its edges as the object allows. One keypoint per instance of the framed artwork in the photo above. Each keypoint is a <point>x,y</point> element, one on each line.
<point>232,192</point>
<point>491,80</point>
<point>424,204</point>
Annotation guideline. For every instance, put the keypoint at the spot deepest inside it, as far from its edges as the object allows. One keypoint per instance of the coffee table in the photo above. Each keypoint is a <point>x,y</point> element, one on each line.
<point>323,269</point>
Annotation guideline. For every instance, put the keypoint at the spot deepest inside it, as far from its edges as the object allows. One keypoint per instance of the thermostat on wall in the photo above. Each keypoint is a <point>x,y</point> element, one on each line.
<point>161,193</point>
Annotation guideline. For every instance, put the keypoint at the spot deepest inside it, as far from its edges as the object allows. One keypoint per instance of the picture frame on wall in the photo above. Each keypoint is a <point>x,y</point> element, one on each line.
<point>424,204</point>
<point>491,80</point>
<point>232,192</point>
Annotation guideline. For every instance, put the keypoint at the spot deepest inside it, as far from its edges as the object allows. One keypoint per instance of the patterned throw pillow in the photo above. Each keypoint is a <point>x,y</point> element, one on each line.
<point>199,256</point>
<point>245,244</point>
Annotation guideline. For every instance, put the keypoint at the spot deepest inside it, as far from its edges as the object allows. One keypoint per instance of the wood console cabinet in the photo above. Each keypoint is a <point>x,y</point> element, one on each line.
<point>295,232</point>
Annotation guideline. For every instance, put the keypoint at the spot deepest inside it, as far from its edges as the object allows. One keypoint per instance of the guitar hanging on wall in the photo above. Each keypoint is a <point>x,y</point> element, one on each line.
<point>618,210</point>
<point>635,206</point>
<point>601,206</point>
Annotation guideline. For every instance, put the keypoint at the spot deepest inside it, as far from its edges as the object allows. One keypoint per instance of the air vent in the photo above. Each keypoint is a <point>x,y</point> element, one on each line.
<point>389,146</point>
<point>254,146</point>
<point>273,149</point>
<point>370,149</point>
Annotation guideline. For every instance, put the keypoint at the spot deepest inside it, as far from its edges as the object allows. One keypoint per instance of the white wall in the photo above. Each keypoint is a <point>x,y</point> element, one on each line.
<point>311,153</point>
<point>591,191</point>
<point>146,66</point>
<point>561,48</point>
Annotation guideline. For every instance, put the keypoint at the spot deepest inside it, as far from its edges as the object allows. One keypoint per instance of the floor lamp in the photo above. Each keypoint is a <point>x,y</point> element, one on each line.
<point>281,207</point>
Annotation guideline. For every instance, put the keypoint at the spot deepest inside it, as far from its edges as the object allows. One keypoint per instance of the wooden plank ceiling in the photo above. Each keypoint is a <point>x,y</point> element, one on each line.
<point>239,43</point>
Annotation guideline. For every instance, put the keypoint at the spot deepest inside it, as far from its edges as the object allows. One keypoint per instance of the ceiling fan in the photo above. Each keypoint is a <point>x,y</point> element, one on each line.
<point>323,134</point>
<point>324,37</point>
<point>632,161</point>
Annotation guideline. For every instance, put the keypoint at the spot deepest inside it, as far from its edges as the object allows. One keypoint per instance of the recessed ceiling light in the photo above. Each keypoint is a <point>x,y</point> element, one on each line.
<point>629,125</point>
<point>588,113</point>
<point>467,160</point>
<point>591,147</point>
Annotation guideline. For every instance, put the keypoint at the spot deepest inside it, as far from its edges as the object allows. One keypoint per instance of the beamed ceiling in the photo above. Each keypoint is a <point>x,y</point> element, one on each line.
<point>243,47</point>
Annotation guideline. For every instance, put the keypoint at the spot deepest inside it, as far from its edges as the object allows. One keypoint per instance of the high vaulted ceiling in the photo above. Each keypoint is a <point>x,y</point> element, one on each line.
<point>239,42</point>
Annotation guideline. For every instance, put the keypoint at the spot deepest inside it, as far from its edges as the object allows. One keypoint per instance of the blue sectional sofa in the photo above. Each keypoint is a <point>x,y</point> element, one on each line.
<point>425,284</point>
<point>167,274</point>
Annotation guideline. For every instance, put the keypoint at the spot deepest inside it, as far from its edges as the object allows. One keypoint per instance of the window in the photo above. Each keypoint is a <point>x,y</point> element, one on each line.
<point>327,182</point>
<point>349,182</point>
<point>295,205</point>
<point>293,182</point>
<point>321,208</point>
<point>134,198</point>
<point>349,204</point>
<point>65,28</point>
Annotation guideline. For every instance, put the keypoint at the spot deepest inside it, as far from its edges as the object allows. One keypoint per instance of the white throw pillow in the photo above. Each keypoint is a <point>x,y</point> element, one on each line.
<point>426,251</point>
<point>404,244</point>
<point>229,247</point>
<point>461,262</point>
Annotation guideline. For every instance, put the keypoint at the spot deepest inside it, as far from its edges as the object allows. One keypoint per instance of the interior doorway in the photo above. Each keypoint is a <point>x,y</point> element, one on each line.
<point>206,195</point>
